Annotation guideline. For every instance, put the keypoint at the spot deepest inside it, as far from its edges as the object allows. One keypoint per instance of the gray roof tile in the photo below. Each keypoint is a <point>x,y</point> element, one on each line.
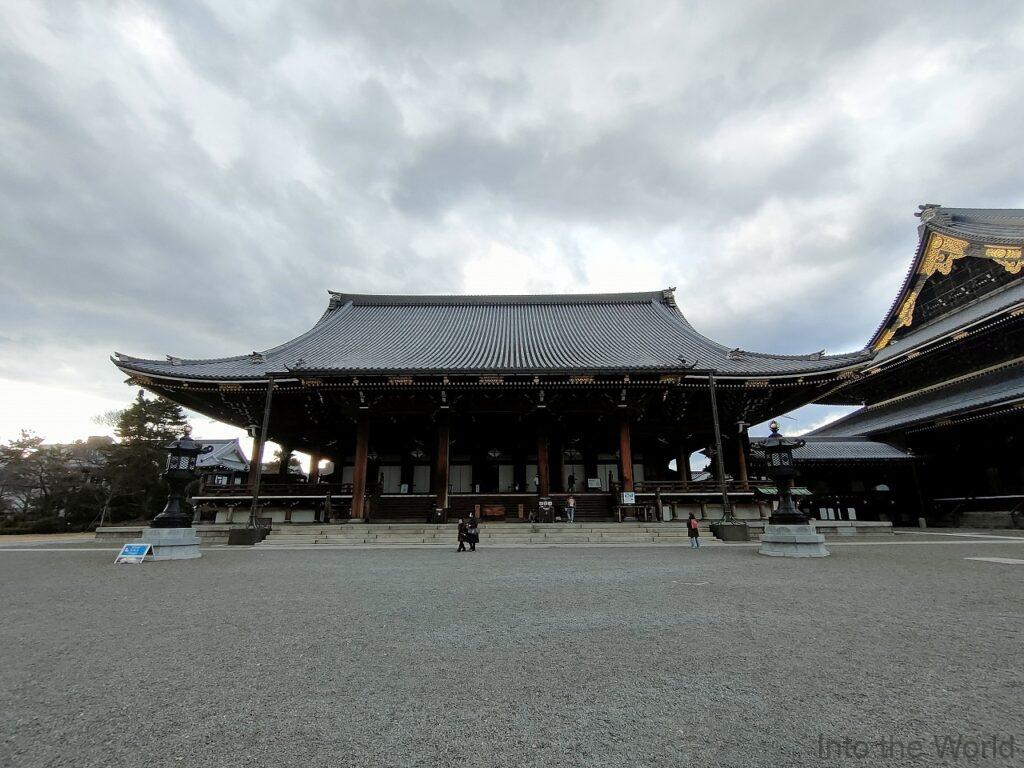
<point>409,334</point>
<point>1003,386</point>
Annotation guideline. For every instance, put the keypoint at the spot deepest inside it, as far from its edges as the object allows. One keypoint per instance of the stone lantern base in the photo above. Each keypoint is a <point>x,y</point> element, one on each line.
<point>171,543</point>
<point>792,541</point>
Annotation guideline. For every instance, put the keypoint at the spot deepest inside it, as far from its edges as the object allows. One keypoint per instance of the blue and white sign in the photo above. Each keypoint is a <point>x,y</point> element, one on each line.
<point>628,497</point>
<point>133,553</point>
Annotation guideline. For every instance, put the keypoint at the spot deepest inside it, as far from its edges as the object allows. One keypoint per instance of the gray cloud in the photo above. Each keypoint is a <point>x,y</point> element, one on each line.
<point>184,178</point>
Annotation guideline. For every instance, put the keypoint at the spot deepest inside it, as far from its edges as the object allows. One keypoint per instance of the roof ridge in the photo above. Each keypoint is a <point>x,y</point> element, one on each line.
<point>387,299</point>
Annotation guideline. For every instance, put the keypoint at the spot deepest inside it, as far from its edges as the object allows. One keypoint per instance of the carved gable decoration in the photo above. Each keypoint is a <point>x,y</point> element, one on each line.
<point>1009,258</point>
<point>940,256</point>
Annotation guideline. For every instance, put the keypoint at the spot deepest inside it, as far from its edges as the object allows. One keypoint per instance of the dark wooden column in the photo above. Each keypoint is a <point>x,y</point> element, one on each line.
<point>625,452</point>
<point>683,466</point>
<point>256,462</point>
<point>441,458</point>
<point>314,467</point>
<point>359,468</point>
<point>742,444</point>
<point>589,454</point>
<point>543,459</point>
<point>286,457</point>
<point>559,483</point>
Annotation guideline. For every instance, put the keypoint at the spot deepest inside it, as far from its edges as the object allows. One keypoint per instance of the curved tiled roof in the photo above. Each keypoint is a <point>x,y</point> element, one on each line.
<point>995,226</point>
<point>409,334</point>
<point>987,390</point>
<point>841,449</point>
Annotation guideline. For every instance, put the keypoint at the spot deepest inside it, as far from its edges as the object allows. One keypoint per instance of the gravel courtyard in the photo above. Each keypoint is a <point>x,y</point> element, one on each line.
<point>513,657</point>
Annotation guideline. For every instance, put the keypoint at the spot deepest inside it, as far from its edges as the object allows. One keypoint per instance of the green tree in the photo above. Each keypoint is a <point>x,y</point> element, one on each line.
<point>133,465</point>
<point>40,483</point>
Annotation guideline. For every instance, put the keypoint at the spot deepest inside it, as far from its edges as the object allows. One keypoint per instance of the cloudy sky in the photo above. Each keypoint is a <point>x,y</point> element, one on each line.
<point>189,178</point>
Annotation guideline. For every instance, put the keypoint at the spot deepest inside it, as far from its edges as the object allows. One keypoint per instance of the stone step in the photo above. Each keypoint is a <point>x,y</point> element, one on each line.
<point>504,541</point>
<point>352,544</point>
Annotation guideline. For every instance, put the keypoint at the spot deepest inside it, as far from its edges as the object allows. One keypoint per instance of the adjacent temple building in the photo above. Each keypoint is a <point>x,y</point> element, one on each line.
<point>496,404</point>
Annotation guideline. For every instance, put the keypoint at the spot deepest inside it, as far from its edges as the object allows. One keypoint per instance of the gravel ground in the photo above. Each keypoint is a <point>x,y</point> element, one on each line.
<point>512,657</point>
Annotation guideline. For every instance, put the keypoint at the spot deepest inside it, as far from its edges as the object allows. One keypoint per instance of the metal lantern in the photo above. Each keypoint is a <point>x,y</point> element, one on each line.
<point>778,454</point>
<point>179,473</point>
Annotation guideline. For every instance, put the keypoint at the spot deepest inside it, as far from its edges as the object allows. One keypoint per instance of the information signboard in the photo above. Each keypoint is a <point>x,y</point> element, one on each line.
<point>133,553</point>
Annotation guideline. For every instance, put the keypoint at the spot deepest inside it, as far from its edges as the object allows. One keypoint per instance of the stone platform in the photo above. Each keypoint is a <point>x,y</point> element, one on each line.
<point>792,541</point>
<point>171,543</point>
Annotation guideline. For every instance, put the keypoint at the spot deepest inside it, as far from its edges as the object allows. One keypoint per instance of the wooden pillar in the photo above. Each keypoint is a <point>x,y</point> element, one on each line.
<point>543,460</point>
<point>441,458</point>
<point>741,457</point>
<point>286,457</point>
<point>560,465</point>
<point>625,452</point>
<point>256,462</point>
<point>314,467</point>
<point>359,469</point>
<point>683,466</point>
<point>589,454</point>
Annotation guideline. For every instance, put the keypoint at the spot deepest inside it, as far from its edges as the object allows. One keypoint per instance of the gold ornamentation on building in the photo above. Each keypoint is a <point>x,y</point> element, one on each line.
<point>939,256</point>
<point>941,253</point>
<point>1009,258</point>
<point>885,338</point>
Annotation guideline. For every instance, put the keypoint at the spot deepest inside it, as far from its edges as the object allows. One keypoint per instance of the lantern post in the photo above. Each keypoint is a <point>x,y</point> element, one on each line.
<point>789,532</point>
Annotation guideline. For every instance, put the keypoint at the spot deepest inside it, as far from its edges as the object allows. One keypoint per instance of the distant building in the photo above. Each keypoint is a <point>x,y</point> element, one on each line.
<point>225,465</point>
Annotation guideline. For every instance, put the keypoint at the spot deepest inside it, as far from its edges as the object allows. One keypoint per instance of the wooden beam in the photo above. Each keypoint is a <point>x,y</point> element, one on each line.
<point>441,458</point>
<point>625,451</point>
<point>683,466</point>
<point>359,469</point>
<point>256,464</point>
<point>314,467</point>
<point>543,460</point>
<point>286,458</point>
<point>741,456</point>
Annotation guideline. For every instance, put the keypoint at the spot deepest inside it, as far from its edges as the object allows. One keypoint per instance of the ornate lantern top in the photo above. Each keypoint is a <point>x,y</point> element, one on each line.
<point>777,442</point>
<point>182,452</point>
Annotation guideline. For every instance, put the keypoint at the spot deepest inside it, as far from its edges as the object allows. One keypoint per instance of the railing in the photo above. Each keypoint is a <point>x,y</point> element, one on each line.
<point>280,489</point>
<point>695,486</point>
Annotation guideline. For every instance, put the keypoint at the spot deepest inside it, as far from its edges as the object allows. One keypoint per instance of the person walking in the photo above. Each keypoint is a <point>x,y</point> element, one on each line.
<point>693,532</point>
<point>572,482</point>
<point>473,532</point>
<point>570,509</point>
<point>463,535</point>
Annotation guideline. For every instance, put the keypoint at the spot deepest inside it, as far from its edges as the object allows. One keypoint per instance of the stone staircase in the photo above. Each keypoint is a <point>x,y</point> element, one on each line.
<point>359,535</point>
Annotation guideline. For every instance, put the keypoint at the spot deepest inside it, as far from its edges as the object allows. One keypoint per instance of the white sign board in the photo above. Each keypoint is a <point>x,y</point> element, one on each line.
<point>133,553</point>
<point>628,497</point>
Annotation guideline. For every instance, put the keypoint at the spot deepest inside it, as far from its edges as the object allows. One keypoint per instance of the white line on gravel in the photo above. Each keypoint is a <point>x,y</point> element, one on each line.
<point>1004,560</point>
<point>961,535</point>
<point>59,549</point>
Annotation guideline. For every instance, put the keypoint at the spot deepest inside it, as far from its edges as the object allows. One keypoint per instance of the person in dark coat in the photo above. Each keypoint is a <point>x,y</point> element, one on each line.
<point>473,532</point>
<point>693,532</point>
<point>463,535</point>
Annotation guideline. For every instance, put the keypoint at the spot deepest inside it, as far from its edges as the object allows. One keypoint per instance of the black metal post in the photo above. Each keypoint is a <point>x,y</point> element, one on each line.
<point>258,460</point>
